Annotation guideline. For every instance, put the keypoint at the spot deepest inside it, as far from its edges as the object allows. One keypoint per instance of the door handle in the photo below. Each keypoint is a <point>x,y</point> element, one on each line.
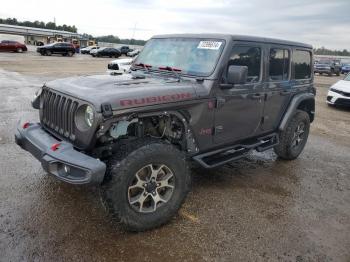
<point>285,92</point>
<point>257,96</point>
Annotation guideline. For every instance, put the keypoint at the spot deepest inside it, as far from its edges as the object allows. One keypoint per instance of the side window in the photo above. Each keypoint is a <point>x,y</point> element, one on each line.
<point>279,64</point>
<point>302,64</point>
<point>247,56</point>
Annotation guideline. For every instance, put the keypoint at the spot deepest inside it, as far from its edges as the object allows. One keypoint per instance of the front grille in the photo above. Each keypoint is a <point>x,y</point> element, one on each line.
<point>346,94</point>
<point>58,113</point>
<point>342,102</point>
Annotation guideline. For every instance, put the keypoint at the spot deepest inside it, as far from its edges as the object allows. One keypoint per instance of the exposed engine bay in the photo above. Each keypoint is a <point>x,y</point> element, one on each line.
<point>165,127</point>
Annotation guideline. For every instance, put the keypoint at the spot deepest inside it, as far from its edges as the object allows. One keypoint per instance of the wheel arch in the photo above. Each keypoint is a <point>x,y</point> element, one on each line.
<point>305,102</point>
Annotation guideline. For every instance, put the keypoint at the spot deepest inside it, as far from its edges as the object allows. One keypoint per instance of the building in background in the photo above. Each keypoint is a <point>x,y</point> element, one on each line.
<point>40,36</point>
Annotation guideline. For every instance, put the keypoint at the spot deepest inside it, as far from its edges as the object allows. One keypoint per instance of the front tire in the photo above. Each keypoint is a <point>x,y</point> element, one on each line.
<point>19,50</point>
<point>147,185</point>
<point>293,138</point>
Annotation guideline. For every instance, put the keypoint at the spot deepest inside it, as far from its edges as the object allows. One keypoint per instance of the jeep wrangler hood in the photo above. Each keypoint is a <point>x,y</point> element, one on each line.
<point>124,91</point>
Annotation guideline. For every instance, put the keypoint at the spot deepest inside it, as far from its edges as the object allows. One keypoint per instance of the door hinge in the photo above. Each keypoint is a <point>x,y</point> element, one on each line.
<point>220,102</point>
<point>218,130</point>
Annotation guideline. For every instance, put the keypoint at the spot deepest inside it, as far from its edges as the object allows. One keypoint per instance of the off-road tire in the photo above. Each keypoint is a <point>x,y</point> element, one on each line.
<point>284,149</point>
<point>121,170</point>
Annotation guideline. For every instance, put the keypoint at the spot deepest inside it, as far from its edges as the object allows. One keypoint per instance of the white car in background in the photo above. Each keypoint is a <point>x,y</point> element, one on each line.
<point>120,65</point>
<point>87,50</point>
<point>94,50</point>
<point>133,53</point>
<point>339,93</point>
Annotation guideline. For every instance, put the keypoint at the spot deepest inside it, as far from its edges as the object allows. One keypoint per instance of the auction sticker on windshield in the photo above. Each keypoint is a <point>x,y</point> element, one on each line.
<point>214,45</point>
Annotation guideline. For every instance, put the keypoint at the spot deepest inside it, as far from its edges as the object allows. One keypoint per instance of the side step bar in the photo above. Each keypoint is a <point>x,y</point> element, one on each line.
<point>224,155</point>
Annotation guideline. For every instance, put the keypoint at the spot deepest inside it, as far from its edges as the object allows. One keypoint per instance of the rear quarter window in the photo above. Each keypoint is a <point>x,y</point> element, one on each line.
<point>302,64</point>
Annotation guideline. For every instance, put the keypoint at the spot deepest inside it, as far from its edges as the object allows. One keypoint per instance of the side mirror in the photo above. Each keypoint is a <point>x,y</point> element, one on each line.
<point>237,74</point>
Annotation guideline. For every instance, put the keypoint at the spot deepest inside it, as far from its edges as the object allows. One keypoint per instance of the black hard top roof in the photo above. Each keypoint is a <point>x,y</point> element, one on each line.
<point>237,37</point>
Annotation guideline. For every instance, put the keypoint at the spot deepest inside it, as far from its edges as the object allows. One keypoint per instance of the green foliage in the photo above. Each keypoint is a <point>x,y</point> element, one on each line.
<point>39,24</point>
<point>325,51</point>
<point>117,40</point>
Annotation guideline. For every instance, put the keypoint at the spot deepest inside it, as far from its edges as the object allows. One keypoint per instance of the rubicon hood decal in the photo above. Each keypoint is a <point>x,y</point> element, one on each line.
<point>125,92</point>
<point>155,99</point>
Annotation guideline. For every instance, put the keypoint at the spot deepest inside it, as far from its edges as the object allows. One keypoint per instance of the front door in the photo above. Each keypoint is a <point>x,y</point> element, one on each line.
<point>239,109</point>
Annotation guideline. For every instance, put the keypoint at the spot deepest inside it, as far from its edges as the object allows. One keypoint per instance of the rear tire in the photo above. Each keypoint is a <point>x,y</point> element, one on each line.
<point>293,138</point>
<point>131,195</point>
<point>69,53</point>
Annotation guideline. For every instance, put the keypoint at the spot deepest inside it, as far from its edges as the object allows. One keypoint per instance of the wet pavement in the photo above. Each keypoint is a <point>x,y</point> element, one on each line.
<point>258,209</point>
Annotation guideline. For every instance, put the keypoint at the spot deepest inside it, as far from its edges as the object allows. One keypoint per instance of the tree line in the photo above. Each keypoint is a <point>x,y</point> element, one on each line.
<point>39,24</point>
<point>117,40</point>
<point>325,51</point>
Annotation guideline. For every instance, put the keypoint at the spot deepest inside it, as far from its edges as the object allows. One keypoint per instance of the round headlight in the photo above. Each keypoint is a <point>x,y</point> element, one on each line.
<point>89,116</point>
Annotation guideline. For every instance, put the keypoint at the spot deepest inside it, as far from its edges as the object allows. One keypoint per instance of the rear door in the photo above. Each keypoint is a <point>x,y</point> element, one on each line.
<point>278,86</point>
<point>239,109</point>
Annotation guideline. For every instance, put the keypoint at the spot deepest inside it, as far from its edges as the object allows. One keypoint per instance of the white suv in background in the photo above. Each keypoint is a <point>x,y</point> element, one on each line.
<point>339,93</point>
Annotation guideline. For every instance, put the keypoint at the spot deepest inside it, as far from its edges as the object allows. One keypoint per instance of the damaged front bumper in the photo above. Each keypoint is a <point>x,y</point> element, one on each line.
<point>59,158</point>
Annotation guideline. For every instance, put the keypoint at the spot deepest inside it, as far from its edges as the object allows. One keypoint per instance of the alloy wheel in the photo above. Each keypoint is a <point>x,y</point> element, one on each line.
<point>152,187</point>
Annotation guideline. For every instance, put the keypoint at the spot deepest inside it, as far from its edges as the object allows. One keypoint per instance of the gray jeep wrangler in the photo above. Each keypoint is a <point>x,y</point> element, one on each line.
<point>207,99</point>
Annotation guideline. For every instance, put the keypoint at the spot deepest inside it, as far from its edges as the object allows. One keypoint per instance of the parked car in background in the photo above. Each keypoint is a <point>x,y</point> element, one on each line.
<point>12,46</point>
<point>329,67</point>
<point>107,51</point>
<point>125,49</point>
<point>65,49</point>
<point>121,65</point>
<point>133,53</point>
<point>345,68</point>
<point>39,43</point>
<point>339,93</point>
<point>94,51</point>
<point>87,50</point>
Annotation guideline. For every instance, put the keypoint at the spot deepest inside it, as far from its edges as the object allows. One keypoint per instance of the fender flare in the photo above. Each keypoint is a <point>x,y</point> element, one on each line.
<point>292,107</point>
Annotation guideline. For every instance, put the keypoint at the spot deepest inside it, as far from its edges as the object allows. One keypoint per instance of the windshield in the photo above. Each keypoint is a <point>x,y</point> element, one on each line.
<point>347,78</point>
<point>185,55</point>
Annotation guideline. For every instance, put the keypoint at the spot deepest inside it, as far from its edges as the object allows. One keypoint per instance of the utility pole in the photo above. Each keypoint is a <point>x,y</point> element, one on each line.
<point>133,32</point>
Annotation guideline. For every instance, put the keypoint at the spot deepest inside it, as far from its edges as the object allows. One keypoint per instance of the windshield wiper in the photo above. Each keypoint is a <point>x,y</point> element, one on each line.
<point>174,70</point>
<point>145,66</point>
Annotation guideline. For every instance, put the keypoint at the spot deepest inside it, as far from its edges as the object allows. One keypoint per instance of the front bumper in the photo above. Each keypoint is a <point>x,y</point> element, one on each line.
<point>334,98</point>
<point>65,163</point>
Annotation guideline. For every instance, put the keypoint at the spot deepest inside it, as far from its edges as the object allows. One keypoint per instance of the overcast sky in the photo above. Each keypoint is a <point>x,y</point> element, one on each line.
<point>318,22</point>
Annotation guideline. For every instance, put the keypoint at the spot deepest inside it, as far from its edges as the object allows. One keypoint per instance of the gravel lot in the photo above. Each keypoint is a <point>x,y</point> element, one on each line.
<point>258,209</point>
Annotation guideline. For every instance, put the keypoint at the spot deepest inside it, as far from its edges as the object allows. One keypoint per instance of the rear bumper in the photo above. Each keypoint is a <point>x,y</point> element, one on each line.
<point>65,163</point>
<point>326,71</point>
